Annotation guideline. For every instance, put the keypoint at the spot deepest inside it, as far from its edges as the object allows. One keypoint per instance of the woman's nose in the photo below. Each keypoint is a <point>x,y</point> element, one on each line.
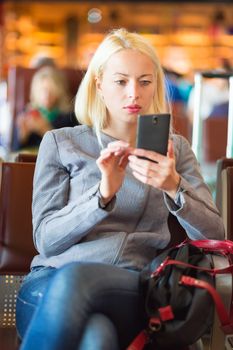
<point>133,91</point>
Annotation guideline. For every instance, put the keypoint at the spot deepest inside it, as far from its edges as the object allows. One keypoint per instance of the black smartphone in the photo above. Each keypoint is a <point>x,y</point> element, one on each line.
<point>153,132</point>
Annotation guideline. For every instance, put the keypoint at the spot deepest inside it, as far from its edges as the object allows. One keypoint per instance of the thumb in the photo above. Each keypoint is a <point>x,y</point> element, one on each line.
<point>170,150</point>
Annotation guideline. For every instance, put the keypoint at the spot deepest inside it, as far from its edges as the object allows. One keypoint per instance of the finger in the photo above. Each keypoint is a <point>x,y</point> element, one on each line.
<point>144,167</point>
<point>118,152</point>
<point>106,151</point>
<point>144,179</point>
<point>154,156</point>
<point>143,162</point>
<point>142,171</point>
<point>118,143</point>
<point>120,147</point>
<point>110,157</point>
<point>124,161</point>
<point>104,157</point>
<point>170,152</point>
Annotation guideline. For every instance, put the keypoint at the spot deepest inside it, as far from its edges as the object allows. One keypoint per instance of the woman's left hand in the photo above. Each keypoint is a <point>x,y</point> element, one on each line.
<point>157,170</point>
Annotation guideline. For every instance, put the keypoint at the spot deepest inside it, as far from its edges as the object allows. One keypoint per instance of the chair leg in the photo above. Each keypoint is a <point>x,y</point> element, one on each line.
<point>9,286</point>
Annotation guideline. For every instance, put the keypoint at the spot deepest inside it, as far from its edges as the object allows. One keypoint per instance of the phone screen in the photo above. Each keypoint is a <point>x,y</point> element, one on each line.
<point>153,132</point>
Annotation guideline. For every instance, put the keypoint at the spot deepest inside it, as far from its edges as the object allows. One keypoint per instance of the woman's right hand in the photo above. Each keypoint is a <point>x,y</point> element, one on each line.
<point>112,164</point>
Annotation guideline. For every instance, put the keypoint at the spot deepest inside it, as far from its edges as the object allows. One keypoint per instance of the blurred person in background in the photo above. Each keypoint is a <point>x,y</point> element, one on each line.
<point>50,107</point>
<point>40,60</point>
<point>220,110</point>
<point>174,96</point>
<point>214,92</point>
<point>177,90</point>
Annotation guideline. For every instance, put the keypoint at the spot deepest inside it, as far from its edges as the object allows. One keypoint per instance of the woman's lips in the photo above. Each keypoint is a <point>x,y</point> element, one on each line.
<point>133,109</point>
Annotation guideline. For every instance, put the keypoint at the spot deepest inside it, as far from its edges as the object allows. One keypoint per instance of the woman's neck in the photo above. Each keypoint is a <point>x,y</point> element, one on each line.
<point>126,133</point>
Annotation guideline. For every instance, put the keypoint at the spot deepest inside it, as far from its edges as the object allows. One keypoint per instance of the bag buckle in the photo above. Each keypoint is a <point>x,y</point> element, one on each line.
<point>154,324</point>
<point>160,268</point>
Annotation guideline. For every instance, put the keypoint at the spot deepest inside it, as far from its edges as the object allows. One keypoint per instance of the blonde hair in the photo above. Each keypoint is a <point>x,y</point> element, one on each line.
<point>89,107</point>
<point>58,84</point>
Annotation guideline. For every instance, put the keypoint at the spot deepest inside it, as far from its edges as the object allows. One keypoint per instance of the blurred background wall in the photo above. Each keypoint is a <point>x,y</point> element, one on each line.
<point>188,35</point>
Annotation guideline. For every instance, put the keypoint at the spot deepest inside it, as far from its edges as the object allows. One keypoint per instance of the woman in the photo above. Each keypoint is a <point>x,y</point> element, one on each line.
<point>49,108</point>
<point>100,211</point>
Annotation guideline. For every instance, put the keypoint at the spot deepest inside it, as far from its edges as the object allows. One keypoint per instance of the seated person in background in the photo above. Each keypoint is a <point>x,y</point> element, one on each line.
<point>176,103</point>
<point>100,211</point>
<point>40,61</point>
<point>49,108</point>
<point>220,110</point>
<point>174,97</point>
<point>174,94</point>
<point>214,91</point>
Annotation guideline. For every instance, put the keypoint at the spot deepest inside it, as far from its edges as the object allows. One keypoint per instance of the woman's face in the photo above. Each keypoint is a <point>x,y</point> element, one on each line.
<point>46,96</point>
<point>128,85</point>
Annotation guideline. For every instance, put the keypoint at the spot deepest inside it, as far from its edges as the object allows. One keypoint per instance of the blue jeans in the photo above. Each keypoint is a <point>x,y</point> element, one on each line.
<point>83,306</point>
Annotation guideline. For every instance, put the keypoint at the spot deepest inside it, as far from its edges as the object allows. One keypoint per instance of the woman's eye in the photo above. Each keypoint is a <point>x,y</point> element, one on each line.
<point>145,82</point>
<point>120,82</point>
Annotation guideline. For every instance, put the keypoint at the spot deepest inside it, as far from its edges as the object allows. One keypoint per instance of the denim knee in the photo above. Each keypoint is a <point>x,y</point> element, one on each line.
<point>99,334</point>
<point>29,296</point>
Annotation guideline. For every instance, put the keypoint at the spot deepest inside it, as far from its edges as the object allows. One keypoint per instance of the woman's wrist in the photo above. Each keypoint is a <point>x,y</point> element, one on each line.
<point>172,193</point>
<point>103,201</point>
<point>105,192</point>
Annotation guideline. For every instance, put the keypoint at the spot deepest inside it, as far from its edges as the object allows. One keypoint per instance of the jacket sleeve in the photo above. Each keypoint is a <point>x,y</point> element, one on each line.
<point>193,205</point>
<point>57,222</point>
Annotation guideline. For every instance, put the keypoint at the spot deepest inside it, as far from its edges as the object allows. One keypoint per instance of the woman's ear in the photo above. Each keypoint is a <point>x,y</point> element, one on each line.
<point>98,84</point>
